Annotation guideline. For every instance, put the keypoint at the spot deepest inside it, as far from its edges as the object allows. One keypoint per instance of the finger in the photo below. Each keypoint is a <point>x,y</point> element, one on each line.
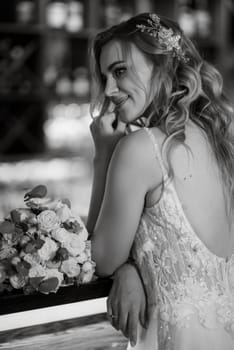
<point>121,127</point>
<point>143,317</point>
<point>132,327</point>
<point>123,322</point>
<point>114,320</point>
<point>112,313</point>
<point>107,118</point>
<point>108,306</point>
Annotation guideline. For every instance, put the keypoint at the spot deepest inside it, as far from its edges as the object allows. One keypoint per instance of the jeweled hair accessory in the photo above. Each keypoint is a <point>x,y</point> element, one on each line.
<point>164,36</point>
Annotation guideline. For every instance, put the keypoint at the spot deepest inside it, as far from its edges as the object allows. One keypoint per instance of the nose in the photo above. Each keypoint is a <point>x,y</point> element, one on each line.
<point>111,87</point>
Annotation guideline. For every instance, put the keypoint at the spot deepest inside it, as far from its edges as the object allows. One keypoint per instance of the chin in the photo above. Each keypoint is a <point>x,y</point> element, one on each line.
<point>128,117</point>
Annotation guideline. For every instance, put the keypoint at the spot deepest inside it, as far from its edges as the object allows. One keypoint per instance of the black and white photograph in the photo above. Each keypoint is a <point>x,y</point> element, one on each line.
<point>117,174</point>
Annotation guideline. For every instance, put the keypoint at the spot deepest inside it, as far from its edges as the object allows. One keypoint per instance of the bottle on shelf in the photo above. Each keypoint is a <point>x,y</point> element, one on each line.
<point>81,83</point>
<point>25,11</point>
<point>56,14</point>
<point>75,16</point>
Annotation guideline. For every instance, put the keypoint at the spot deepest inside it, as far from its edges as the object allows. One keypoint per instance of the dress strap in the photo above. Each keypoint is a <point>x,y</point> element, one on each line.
<point>157,152</point>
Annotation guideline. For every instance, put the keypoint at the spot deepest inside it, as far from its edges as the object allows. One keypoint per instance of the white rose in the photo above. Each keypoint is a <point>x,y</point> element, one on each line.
<point>17,281</point>
<point>64,213</point>
<point>83,235</point>
<point>32,259</point>
<point>88,266</point>
<point>81,258</point>
<point>70,267</point>
<point>37,271</point>
<point>48,220</point>
<point>48,250</point>
<point>85,277</point>
<point>74,244</point>
<point>60,234</point>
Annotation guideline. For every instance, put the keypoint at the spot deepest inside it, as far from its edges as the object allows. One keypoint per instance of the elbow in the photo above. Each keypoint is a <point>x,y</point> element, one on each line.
<point>103,267</point>
<point>103,272</point>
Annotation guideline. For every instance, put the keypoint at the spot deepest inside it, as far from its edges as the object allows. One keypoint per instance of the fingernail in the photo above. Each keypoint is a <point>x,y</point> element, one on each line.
<point>133,343</point>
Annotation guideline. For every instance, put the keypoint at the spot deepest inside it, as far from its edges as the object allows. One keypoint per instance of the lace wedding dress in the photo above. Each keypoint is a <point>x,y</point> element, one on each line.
<point>192,288</point>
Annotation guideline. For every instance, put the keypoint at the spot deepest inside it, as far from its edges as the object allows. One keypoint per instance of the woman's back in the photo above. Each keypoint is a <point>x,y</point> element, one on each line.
<point>198,183</point>
<point>185,273</point>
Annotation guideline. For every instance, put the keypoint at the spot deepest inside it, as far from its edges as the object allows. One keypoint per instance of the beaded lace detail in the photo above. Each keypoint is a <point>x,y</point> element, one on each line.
<point>182,277</point>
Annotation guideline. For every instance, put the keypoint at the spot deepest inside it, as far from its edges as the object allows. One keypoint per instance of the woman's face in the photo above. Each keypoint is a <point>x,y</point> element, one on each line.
<point>127,80</point>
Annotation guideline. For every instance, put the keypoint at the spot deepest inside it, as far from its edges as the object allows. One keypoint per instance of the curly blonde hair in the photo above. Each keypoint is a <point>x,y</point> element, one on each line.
<point>181,90</point>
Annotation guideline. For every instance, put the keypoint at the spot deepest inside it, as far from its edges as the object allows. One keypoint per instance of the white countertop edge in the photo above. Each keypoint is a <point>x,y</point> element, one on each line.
<point>52,314</point>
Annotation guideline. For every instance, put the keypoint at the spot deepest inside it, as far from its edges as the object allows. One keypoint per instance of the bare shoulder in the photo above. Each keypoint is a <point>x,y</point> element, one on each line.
<point>139,139</point>
<point>136,144</point>
<point>137,151</point>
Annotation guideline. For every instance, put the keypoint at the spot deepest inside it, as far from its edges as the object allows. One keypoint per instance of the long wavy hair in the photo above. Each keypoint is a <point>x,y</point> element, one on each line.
<point>182,90</point>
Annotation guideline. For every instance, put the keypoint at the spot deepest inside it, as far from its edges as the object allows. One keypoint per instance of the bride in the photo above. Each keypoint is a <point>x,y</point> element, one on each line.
<point>163,188</point>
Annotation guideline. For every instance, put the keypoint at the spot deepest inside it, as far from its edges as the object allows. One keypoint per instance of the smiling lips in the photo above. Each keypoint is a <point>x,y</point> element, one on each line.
<point>118,102</point>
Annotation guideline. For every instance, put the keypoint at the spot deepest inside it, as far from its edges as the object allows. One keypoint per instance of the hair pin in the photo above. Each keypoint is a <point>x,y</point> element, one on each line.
<point>164,36</point>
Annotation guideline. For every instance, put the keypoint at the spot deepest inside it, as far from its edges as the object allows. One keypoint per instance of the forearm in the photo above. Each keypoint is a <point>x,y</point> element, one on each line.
<point>98,188</point>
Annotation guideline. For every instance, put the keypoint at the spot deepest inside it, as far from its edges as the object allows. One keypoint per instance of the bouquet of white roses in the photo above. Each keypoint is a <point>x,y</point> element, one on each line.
<point>43,246</point>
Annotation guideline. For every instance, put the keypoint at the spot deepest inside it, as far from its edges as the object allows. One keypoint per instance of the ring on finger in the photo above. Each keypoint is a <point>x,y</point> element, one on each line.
<point>113,316</point>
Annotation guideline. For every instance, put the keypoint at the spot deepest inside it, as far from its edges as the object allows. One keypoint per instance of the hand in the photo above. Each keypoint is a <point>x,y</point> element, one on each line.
<point>105,136</point>
<point>126,304</point>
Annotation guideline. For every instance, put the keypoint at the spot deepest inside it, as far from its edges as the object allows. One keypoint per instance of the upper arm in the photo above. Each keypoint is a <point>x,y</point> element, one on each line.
<point>128,180</point>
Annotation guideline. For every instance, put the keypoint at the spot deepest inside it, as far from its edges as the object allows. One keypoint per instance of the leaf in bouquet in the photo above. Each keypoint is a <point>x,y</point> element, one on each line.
<point>10,270</point>
<point>72,226</point>
<point>39,191</point>
<point>15,216</point>
<point>35,281</point>
<point>23,268</point>
<point>49,285</point>
<point>68,280</point>
<point>23,215</point>
<point>30,248</point>
<point>7,227</point>
<point>23,226</point>
<point>62,254</point>
<point>67,202</point>
<point>19,231</point>
<point>28,289</point>
<point>6,287</point>
<point>2,287</point>
<point>39,243</point>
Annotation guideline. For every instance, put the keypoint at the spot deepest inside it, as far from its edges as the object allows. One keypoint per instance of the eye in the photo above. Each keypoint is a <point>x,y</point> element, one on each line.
<point>119,72</point>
